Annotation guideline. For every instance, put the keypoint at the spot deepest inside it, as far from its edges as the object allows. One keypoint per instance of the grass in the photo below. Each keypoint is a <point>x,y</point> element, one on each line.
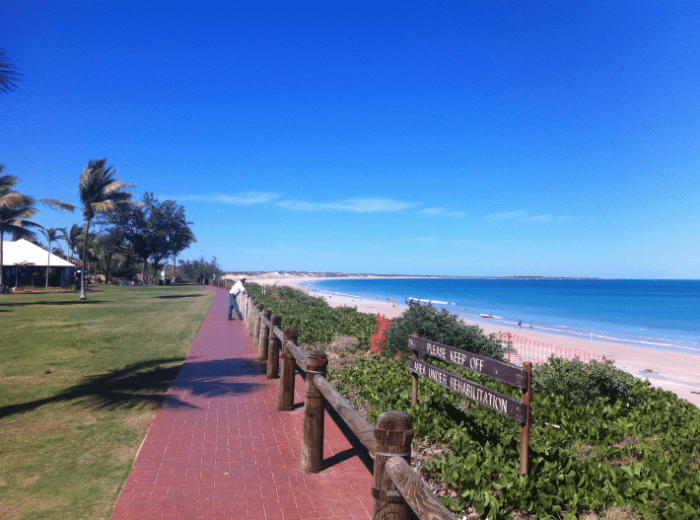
<point>79,383</point>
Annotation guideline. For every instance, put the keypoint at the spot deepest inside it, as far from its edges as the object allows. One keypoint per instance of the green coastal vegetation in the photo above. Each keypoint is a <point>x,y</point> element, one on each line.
<point>603,444</point>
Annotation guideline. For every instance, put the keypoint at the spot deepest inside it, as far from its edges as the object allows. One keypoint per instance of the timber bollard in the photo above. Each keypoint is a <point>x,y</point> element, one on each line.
<point>256,324</point>
<point>249,316</point>
<point>285,401</point>
<point>314,414</point>
<point>394,433</point>
<point>264,336</point>
<point>273,350</point>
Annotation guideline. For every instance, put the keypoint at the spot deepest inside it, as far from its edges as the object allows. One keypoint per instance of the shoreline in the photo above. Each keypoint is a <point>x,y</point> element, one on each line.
<point>673,371</point>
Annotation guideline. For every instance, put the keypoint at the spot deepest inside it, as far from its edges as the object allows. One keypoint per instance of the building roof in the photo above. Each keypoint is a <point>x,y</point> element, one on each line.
<point>23,252</point>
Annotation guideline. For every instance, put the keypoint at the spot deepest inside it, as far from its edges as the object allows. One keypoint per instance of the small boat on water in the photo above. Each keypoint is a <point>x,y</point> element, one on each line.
<point>487,316</point>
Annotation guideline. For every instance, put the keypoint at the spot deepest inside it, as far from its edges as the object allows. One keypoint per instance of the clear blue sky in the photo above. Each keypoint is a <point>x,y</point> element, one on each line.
<point>456,138</point>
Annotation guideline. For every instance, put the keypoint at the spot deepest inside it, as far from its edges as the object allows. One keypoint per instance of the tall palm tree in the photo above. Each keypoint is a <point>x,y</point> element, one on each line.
<point>8,73</point>
<point>15,209</point>
<point>99,192</point>
<point>51,234</point>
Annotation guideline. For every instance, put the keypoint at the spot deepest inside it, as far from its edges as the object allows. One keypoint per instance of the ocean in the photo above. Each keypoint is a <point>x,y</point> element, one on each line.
<point>662,314</point>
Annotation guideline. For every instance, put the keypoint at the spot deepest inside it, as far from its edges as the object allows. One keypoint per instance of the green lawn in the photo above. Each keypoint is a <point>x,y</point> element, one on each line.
<point>79,383</point>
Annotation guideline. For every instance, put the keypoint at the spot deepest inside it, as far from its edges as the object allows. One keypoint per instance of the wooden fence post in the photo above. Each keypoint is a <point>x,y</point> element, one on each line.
<point>314,414</point>
<point>285,402</point>
<point>251,314</point>
<point>256,324</point>
<point>246,312</point>
<point>273,351</point>
<point>394,433</point>
<point>264,336</point>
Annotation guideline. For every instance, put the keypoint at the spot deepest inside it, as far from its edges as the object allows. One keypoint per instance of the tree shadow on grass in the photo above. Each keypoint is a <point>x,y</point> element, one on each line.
<point>146,383</point>
<point>76,302</point>
<point>169,297</point>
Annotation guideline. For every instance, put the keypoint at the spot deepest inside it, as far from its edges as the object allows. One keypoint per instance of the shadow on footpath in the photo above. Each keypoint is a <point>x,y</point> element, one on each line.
<point>146,384</point>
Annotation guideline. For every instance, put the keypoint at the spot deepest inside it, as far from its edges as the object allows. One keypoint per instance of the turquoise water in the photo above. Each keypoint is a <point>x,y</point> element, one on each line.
<point>662,314</point>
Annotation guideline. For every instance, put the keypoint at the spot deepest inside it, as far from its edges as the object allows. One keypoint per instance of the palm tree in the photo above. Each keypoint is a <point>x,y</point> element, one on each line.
<point>8,74</point>
<point>99,192</point>
<point>72,239</point>
<point>51,234</point>
<point>15,209</point>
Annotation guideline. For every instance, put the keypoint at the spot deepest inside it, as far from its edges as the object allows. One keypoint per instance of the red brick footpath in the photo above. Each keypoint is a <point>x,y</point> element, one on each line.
<point>219,449</point>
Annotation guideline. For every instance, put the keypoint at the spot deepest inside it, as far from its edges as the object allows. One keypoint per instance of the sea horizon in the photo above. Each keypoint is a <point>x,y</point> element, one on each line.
<point>654,313</point>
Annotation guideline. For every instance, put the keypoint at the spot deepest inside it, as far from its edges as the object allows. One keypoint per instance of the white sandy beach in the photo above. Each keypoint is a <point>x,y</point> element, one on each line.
<point>677,372</point>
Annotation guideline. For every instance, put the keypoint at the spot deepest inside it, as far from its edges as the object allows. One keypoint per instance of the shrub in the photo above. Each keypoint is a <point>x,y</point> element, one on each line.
<point>313,318</point>
<point>582,383</point>
<point>442,327</point>
<point>378,339</point>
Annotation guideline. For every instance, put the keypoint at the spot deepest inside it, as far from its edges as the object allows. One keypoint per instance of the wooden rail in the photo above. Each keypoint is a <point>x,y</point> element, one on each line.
<point>396,486</point>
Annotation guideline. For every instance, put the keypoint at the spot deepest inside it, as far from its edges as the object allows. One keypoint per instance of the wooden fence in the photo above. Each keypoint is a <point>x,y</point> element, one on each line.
<point>396,486</point>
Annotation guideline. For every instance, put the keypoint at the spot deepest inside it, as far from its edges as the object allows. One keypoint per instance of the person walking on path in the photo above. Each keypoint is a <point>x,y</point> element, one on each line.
<point>233,293</point>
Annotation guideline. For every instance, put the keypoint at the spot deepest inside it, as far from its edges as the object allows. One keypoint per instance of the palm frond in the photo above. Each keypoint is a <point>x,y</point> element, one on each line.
<point>8,73</point>
<point>13,199</point>
<point>57,204</point>
<point>6,181</point>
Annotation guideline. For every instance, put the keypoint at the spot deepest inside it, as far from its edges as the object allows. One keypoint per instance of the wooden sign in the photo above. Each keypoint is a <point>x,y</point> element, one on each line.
<point>497,401</point>
<point>503,404</point>
<point>510,374</point>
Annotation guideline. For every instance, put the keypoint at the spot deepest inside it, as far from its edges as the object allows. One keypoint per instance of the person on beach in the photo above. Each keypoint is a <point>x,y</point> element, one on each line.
<point>233,293</point>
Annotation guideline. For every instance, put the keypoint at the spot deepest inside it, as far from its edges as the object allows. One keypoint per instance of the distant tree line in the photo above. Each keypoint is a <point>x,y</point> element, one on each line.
<point>120,237</point>
<point>198,270</point>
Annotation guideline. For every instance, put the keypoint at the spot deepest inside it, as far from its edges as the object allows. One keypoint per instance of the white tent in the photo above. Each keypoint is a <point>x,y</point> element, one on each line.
<point>22,253</point>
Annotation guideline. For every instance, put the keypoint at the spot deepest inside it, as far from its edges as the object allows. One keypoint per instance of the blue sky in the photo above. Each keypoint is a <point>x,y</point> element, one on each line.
<point>444,138</point>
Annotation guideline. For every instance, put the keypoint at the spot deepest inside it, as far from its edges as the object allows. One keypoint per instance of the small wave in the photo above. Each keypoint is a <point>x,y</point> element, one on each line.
<point>428,301</point>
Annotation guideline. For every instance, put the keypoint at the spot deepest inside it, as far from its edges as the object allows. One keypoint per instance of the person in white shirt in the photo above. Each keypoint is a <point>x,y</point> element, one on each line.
<point>232,304</point>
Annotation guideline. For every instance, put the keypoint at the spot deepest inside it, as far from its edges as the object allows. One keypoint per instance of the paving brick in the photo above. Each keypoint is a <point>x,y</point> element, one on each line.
<point>219,449</point>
